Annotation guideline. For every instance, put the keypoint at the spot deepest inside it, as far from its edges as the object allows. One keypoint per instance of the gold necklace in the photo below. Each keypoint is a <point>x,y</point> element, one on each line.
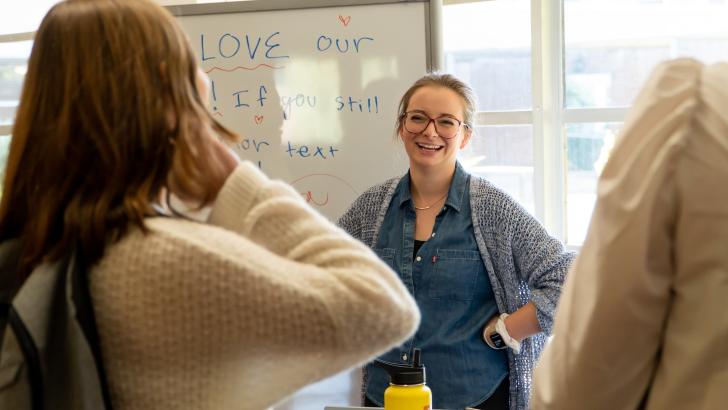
<point>429,206</point>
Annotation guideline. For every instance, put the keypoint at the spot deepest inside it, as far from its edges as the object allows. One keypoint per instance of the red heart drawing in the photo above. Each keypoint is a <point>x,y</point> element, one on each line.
<point>258,119</point>
<point>344,20</point>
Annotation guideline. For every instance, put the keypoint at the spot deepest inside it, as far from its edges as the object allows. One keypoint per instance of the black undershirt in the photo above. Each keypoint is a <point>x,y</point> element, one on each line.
<point>418,245</point>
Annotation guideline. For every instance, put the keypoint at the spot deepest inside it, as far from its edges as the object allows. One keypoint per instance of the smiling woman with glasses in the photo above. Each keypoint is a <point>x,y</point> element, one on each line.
<point>483,271</point>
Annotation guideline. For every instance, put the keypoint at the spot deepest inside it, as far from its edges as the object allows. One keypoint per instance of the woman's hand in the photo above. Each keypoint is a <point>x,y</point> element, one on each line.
<point>200,183</point>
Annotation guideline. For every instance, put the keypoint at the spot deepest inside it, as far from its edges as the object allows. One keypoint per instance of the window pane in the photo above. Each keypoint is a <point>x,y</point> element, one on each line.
<point>13,64</point>
<point>488,45</point>
<point>504,156</point>
<point>588,149</point>
<point>22,16</point>
<point>612,46</point>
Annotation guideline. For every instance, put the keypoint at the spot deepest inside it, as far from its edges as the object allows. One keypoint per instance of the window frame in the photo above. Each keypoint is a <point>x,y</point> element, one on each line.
<point>551,116</point>
<point>548,116</point>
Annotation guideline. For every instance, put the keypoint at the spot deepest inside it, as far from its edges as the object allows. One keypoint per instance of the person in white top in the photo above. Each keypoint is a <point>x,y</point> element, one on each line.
<point>234,313</point>
<point>643,318</point>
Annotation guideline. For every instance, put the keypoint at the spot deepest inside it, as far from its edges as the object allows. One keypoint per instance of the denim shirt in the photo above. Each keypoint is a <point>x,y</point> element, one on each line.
<point>449,282</point>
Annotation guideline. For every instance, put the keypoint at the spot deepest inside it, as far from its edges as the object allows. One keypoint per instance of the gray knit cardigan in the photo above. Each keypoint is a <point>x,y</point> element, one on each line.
<point>523,262</point>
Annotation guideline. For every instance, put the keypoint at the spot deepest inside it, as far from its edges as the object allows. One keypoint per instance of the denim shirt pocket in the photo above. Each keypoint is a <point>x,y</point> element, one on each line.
<point>455,274</point>
<point>387,255</point>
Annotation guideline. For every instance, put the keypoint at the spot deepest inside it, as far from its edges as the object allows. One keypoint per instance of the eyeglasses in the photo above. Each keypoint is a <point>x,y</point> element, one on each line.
<point>446,127</point>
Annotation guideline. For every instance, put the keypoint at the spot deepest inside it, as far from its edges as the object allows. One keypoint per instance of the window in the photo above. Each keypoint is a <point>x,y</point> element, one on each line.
<point>610,48</point>
<point>555,80</point>
<point>504,155</point>
<point>17,23</point>
<point>588,145</point>
<point>488,45</point>
<point>13,64</point>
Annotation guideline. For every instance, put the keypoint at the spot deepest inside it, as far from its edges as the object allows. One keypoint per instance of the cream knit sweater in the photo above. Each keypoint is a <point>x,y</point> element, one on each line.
<point>239,313</point>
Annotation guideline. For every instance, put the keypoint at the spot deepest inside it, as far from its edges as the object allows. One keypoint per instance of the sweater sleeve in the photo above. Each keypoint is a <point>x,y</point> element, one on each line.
<point>363,309</point>
<point>242,314</point>
<point>541,261</point>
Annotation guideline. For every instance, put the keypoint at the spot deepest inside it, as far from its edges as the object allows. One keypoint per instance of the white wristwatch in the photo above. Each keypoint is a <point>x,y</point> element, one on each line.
<point>497,336</point>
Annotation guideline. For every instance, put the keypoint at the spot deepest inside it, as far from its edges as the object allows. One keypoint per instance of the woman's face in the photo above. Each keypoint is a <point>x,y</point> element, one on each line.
<point>428,149</point>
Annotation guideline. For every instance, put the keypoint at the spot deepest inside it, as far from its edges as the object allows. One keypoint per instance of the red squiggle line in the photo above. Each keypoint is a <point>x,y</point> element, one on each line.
<point>325,175</point>
<point>309,198</point>
<point>227,70</point>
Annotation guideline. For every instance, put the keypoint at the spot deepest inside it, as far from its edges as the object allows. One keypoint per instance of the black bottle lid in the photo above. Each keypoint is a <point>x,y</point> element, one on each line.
<point>402,375</point>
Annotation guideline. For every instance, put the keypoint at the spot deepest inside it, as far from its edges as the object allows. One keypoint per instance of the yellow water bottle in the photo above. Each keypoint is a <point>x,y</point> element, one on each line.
<point>407,389</point>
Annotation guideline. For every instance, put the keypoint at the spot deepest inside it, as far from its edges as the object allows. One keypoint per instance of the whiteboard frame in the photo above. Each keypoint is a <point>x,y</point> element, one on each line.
<point>432,17</point>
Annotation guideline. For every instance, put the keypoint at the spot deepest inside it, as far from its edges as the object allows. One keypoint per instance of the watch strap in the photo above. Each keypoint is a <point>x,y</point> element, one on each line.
<point>497,341</point>
<point>496,336</point>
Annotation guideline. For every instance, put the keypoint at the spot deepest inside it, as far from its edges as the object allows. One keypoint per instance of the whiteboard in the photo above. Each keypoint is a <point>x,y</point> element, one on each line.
<point>312,87</point>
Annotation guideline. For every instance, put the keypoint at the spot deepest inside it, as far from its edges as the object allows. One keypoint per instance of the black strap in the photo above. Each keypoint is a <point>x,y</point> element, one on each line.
<point>4,309</point>
<point>32,358</point>
<point>87,319</point>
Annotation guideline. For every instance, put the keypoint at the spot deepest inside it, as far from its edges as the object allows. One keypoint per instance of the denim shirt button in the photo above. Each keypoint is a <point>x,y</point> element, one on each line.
<point>404,357</point>
<point>433,234</point>
<point>419,258</point>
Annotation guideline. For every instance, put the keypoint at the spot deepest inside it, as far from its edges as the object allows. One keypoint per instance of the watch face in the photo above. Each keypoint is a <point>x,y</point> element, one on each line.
<point>497,341</point>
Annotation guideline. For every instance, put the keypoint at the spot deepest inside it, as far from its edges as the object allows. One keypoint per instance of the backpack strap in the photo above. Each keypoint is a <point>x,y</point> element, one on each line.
<point>32,357</point>
<point>87,319</point>
<point>29,349</point>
